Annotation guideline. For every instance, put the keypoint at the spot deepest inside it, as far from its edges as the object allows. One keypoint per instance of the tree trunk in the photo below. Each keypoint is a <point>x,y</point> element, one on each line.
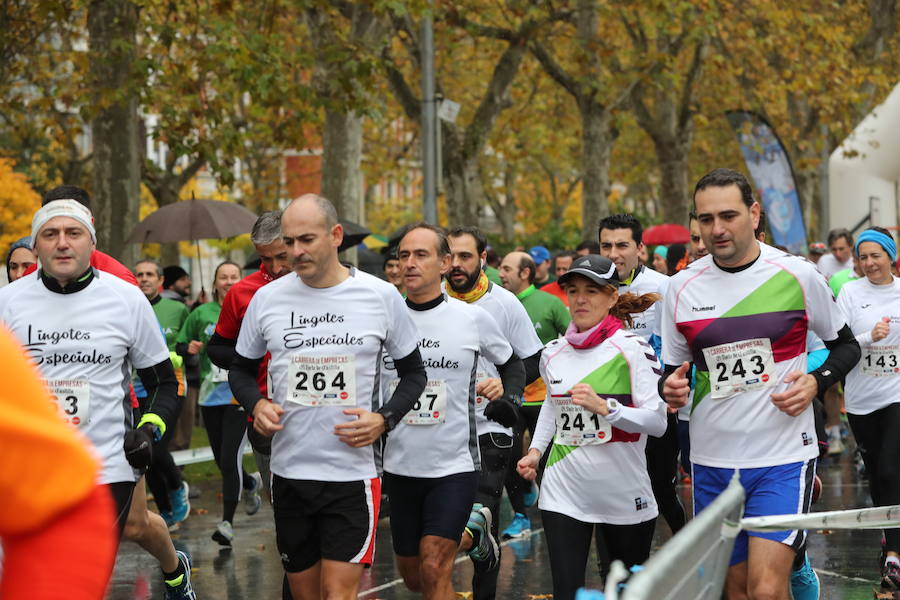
<point>341,158</point>
<point>596,145</point>
<point>675,192</point>
<point>462,179</point>
<point>809,191</point>
<point>112,25</point>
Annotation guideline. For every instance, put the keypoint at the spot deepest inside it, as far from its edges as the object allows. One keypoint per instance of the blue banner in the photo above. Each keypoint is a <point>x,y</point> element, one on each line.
<point>771,171</point>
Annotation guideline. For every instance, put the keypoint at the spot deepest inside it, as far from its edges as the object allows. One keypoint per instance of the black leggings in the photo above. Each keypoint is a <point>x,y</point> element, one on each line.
<point>226,426</point>
<point>122,492</point>
<point>516,486</point>
<point>878,437</point>
<point>569,543</point>
<point>662,466</point>
<point>495,452</point>
<point>163,475</point>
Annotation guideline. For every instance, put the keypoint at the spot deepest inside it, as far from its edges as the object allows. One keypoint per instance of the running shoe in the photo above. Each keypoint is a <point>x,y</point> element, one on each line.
<point>531,495</point>
<point>835,443</point>
<point>180,587</point>
<point>171,523</point>
<point>181,504</point>
<point>224,533</point>
<point>484,552</point>
<point>252,499</point>
<point>890,575</point>
<point>805,582</point>
<point>521,525</point>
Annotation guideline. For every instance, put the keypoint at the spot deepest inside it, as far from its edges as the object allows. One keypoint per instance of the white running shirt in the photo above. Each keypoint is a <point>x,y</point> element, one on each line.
<point>745,332</point>
<point>443,441</point>
<point>603,482</point>
<point>516,326</point>
<point>85,345</point>
<point>326,345</point>
<point>875,380</point>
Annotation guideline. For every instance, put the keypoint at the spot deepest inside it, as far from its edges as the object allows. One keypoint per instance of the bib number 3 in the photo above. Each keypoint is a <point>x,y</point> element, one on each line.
<point>576,426</point>
<point>740,367</point>
<point>322,380</point>
<point>73,397</point>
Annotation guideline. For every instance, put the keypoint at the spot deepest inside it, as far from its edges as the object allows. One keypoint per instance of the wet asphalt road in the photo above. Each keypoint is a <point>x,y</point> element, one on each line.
<point>846,561</point>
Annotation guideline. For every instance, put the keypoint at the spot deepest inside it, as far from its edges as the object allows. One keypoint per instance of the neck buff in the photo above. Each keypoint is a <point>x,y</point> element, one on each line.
<point>593,336</point>
<point>478,290</point>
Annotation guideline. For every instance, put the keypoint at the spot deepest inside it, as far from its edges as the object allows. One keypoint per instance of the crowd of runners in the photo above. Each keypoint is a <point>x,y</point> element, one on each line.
<point>584,384</point>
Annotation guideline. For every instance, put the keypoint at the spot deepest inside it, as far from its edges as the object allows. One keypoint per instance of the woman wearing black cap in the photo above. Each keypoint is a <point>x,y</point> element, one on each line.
<point>602,402</point>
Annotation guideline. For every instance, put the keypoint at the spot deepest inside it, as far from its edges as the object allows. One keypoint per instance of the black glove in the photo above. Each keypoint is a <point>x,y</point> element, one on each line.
<point>502,411</point>
<point>138,446</point>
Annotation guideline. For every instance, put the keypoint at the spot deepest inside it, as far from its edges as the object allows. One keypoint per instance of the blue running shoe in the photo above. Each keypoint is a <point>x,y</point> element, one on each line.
<point>171,523</point>
<point>181,504</point>
<point>485,551</point>
<point>805,582</point>
<point>180,587</point>
<point>531,496</point>
<point>521,525</point>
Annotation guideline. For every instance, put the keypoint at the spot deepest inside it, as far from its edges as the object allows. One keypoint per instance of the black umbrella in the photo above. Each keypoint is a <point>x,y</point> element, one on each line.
<point>193,220</point>
<point>354,234</point>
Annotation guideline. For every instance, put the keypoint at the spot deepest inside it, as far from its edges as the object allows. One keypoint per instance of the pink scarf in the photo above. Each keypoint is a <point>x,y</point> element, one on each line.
<point>593,336</point>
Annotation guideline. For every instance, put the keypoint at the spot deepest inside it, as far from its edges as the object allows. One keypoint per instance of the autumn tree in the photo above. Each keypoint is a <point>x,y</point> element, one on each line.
<point>18,202</point>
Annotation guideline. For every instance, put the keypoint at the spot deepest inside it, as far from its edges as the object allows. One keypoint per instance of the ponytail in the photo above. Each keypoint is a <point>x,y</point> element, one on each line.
<point>630,303</point>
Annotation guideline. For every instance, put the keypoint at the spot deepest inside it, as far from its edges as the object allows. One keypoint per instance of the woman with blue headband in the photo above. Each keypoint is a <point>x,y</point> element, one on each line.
<point>871,306</point>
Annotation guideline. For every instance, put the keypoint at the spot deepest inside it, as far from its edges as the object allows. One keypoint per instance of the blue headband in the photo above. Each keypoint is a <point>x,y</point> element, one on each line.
<point>885,241</point>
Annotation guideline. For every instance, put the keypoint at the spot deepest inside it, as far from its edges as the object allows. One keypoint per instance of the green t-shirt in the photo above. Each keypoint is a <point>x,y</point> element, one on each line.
<point>171,316</point>
<point>547,312</point>
<point>200,326</point>
<point>493,274</point>
<point>838,280</point>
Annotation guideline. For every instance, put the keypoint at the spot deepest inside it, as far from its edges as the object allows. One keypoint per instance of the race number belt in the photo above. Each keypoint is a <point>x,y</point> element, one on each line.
<point>431,407</point>
<point>322,380</point>
<point>880,361</point>
<point>577,426</point>
<point>740,367</point>
<point>73,397</point>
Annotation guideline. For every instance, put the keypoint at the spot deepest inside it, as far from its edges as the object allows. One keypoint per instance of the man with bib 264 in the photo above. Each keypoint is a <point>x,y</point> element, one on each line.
<point>741,315</point>
<point>325,326</point>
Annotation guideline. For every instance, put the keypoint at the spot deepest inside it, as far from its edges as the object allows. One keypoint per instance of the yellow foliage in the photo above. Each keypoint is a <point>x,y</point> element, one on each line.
<point>18,203</point>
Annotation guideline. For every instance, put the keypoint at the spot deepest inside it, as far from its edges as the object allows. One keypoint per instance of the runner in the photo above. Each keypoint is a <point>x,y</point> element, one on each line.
<point>602,402</point>
<point>621,238</point>
<point>542,264</point>
<point>431,458</point>
<point>467,282</point>
<point>871,306</point>
<point>169,489</point>
<point>20,258</point>
<point>62,315</point>
<point>560,265</point>
<point>550,318</point>
<point>752,404</point>
<point>224,419</point>
<point>696,248</point>
<point>274,263</point>
<point>325,327</point>
<point>53,511</point>
<point>840,242</point>
<point>391,269</point>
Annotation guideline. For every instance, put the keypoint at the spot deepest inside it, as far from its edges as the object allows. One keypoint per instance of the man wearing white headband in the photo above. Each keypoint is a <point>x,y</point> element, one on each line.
<point>61,316</point>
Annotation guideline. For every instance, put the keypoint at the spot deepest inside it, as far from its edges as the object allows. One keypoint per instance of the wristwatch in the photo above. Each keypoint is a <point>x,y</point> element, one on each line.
<point>612,405</point>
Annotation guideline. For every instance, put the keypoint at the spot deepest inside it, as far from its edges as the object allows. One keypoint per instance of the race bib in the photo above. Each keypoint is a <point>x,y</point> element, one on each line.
<point>217,374</point>
<point>480,401</point>
<point>322,380</point>
<point>576,426</point>
<point>73,396</point>
<point>880,361</point>
<point>740,367</point>
<point>431,407</point>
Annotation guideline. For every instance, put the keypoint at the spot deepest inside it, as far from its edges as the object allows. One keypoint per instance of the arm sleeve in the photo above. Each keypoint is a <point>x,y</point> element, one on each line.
<point>546,426</point>
<point>413,378</point>
<point>843,355</point>
<point>512,375</point>
<point>242,381</point>
<point>532,367</point>
<point>162,389</point>
<point>648,415</point>
<point>220,350</point>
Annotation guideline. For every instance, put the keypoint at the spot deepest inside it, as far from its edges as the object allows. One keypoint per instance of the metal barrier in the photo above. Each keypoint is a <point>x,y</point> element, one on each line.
<point>693,564</point>
<point>198,455</point>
